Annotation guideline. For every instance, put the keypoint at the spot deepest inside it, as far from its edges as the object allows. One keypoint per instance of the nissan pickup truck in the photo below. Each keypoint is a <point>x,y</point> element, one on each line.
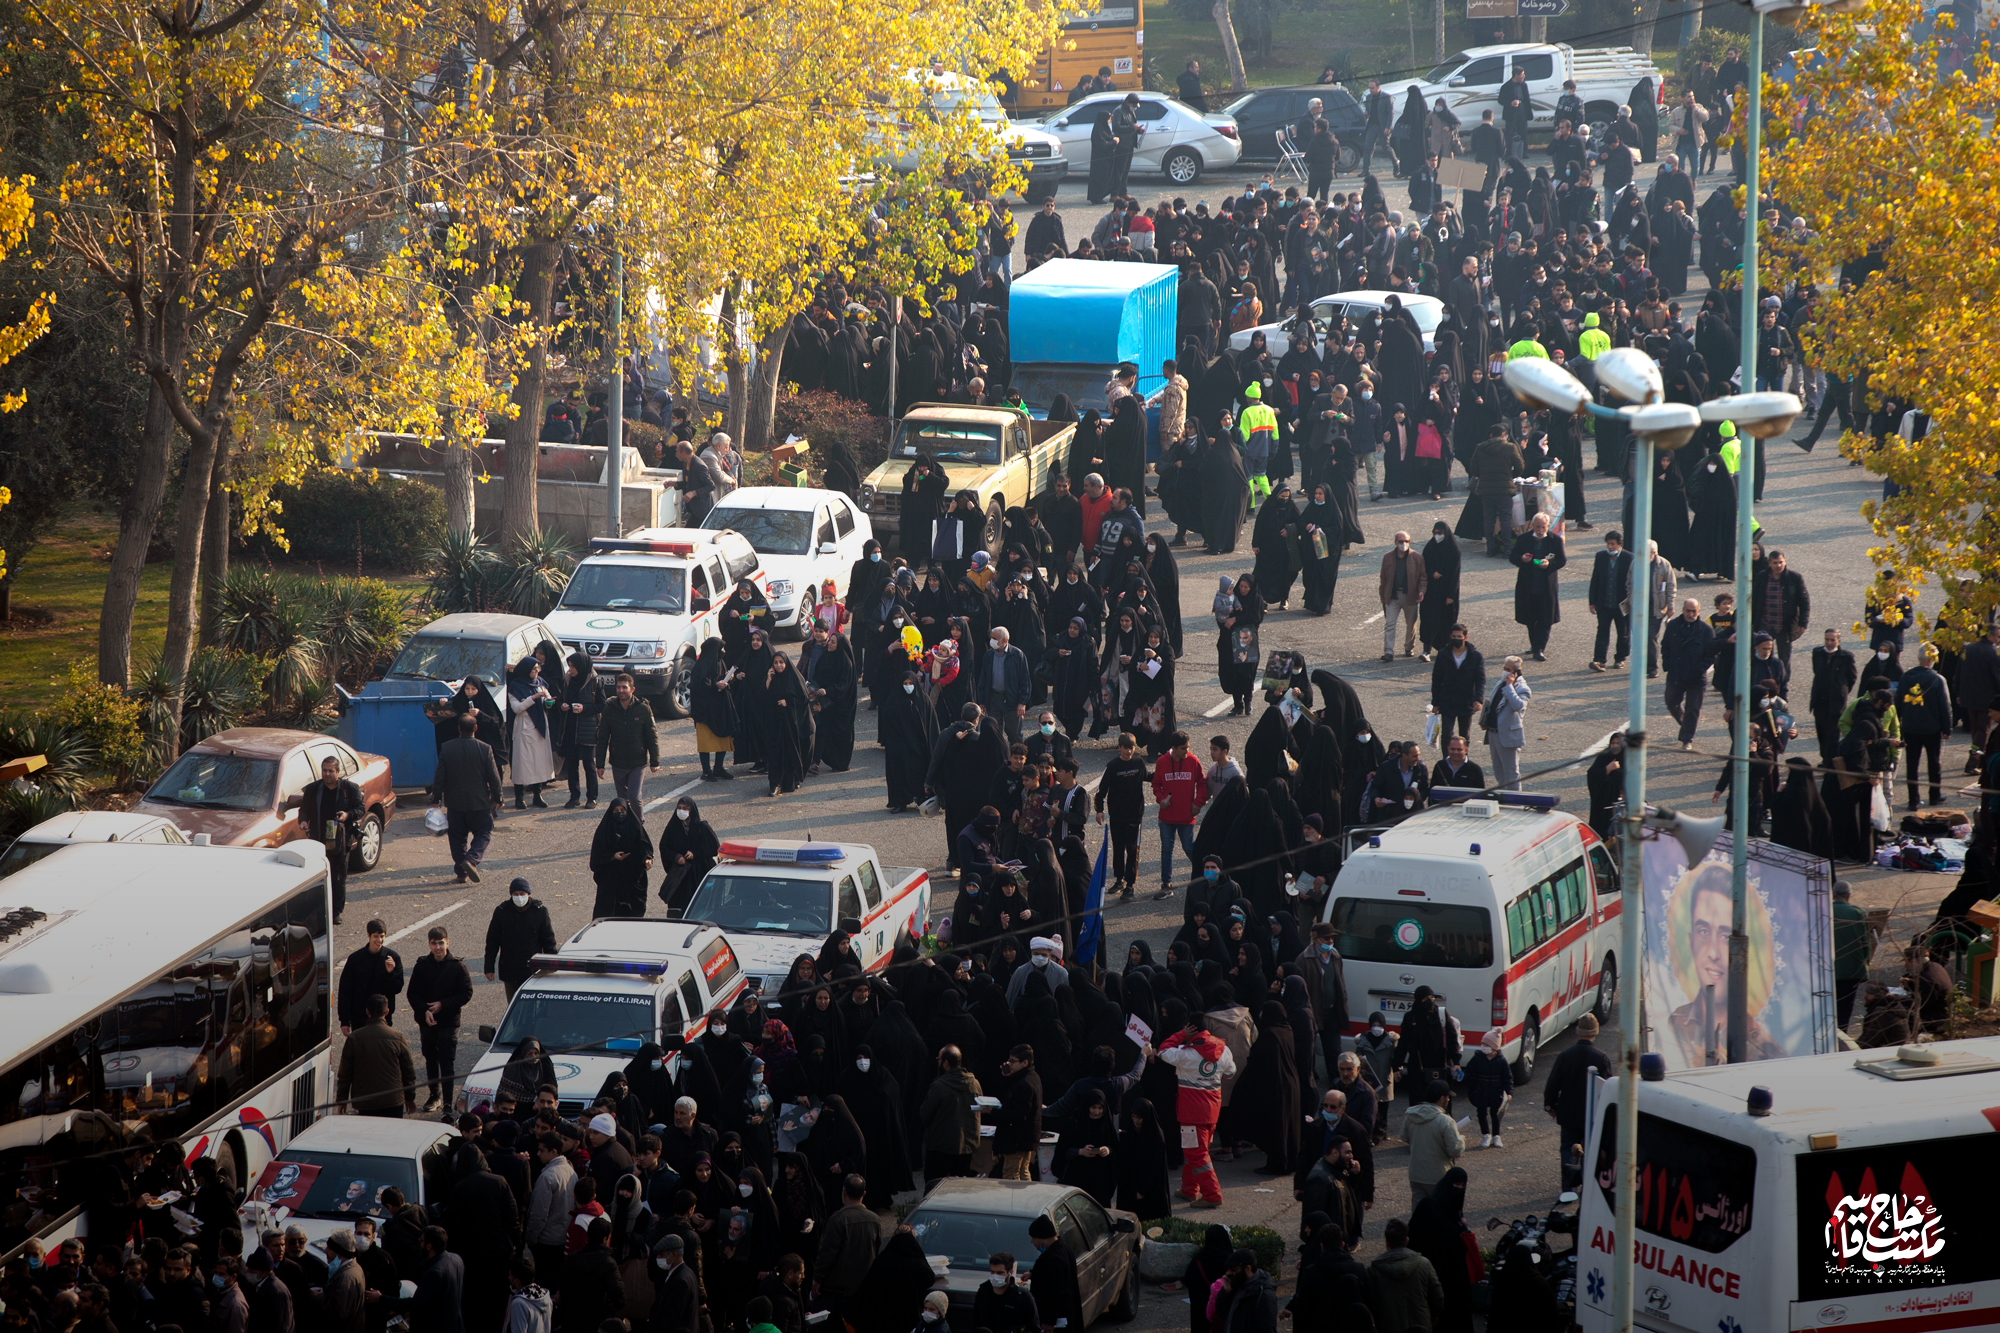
<point>1469,81</point>
<point>1000,454</point>
<point>775,898</point>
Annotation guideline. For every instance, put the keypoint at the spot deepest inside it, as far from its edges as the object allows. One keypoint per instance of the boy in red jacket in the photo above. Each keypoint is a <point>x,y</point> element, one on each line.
<point>1200,1062</point>
<point>1180,789</point>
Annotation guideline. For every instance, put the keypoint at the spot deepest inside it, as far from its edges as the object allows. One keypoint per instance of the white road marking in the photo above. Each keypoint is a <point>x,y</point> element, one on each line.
<point>673,795</point>
<point>1217,710</point>
<point>1372,619</point>
<point>434,916</point>
<point>1600,743</point>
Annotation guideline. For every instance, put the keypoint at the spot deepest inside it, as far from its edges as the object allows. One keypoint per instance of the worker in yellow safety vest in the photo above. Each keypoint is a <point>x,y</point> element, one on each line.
<point>1258,429</point>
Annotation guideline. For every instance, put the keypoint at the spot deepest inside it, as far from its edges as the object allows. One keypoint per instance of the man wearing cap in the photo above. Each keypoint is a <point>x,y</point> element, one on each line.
<point>1045,959</point>
<point>1593,342</point>
<point>1258,429</point>
<point>344,1296</point>
<point>519,929</point>
<point>676,1297</point>
<point>270,1300</point>
<point>1058,1296</point>
<point>608,1158</point>
<point>1567,1092</point>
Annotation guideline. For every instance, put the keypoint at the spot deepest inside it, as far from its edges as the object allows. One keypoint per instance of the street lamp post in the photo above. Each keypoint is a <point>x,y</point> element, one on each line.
<point>1633,376</point>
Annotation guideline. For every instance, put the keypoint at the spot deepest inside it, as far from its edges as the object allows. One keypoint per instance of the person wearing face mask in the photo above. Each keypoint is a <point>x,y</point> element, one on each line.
<point>676,1290</point>
<point>1004,682</point>
<point>519,929</point>
<point>621,861</point>
<point>688,848</point>
<point>1003,1305</point>
<point>1326,982</point>
<point>1401,591</point>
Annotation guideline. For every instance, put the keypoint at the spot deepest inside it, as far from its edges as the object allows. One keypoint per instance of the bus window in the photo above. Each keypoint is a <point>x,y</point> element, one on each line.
<point>1570,902</point>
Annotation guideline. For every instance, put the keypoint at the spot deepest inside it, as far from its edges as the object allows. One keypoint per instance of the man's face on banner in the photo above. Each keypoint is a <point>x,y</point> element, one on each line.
<point>1708,940</point>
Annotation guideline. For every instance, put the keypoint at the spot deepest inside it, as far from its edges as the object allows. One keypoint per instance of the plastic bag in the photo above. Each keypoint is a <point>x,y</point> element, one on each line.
<point>436,821</point>
<point>1433,724</point>
<point>1878,809</point>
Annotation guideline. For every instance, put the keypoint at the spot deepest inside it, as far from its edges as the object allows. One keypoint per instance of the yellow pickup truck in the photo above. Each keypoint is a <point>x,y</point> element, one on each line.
<point>1001,455</point>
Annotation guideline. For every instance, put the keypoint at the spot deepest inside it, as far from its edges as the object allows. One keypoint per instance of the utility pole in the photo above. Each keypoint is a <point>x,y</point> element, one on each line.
<point>614,426</point>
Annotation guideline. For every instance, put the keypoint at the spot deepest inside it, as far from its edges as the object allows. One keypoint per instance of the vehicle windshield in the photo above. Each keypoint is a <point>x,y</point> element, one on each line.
<point>1413,934</point>
<point>949,102</point>
<point>771,531</point>
<point>1447,69</point>
<point>217,782</point>
<point>946,441</point>
<point>439,657</point>
<point>738,901</point>
<point>24,854</point>
<point>607,586</point>
<point>566,1020</point>
<point>1237,106</point>
<point>350,1185</point>
<point>970,1239</point>
<point>1039,385</point>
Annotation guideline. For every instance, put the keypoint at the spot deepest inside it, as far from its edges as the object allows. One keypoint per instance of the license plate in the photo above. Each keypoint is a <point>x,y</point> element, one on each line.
<point>1395,1006</point>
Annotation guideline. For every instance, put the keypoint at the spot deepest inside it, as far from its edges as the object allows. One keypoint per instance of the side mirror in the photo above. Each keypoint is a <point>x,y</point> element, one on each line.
<point>673,1044</point>
<point>1455,83</point>
<point>487,1032</point>
<point>828,548</point>
<point>1567,1196</point>
<point>851,924</point>
<point>1124,1226</point>
<point>700,604</point>
<point>291,803</point>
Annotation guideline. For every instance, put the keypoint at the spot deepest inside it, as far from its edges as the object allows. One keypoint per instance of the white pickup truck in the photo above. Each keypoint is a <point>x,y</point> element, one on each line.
<point>1469,82</point>
<point>775,899</point>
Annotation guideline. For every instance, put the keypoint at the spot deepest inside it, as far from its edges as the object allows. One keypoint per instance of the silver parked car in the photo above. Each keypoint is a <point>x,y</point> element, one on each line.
<point>1175,140</point>
<point>965,1221</point>
<point>1327,311</point>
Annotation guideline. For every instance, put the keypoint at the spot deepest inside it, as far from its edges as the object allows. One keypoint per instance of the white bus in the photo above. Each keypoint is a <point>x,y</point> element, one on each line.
<point>175,993</point>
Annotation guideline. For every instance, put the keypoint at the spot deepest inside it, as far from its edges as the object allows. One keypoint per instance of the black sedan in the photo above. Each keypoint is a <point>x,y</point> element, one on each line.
<point>963,1221</point>
<point>1262,112</point>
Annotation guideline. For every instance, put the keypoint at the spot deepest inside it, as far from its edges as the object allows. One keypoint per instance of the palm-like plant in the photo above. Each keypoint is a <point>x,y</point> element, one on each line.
<point>359,619</point>
<point>541,563</point>
<point>71,757</point>
<point>220,688</point>
<point>22,810</point>
<point>466,575</point>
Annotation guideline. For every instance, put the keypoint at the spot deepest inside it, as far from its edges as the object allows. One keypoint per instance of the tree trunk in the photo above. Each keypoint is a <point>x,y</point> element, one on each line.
<point>215,546</point>
<point>136,519</point>
<point>764,389</point>
<point>1437,31</point>
<point>458,497</point>
<point>1691,24</point>
<point>520,516</point>
<point>1538,30</point>
<point>1642,34</point>
<point>1232,54</point>
<point>178,650</point>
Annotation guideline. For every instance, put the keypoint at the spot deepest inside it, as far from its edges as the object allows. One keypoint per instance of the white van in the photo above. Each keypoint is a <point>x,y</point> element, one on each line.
<point>642,605</point>
<point>1506,908</point>
<point>1862,1199</point>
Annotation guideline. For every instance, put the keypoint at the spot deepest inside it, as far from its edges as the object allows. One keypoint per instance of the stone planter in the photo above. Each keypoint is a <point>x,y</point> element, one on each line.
<point>1165,1261</point>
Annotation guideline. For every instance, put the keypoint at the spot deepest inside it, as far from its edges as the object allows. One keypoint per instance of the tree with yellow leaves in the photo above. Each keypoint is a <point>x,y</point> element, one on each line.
<point>1898,173</point>
<point>17,213</point>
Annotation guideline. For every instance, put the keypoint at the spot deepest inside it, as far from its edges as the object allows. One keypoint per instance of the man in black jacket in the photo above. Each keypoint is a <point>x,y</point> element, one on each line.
<point>592,1290</point>
<point>1006,1308</point>
<point>1045,229</point>
<point>1017,1133</point>
<point>1516,108</point>
<point>439,988</point>
<point>1779,604</point>
<point>485,1229</point>
<point>1610,589</point>
<point>1058,1296</point>
<point>1978,685</point>
<point>467,785</point>
<point>676,1293</point>
<point>1567,1093</point>
<point>1402,787</point>
<point>1686,647</point>
<point>1189,86</point>
<point>1458,685</point>
<point>373,969</point>
<point>519,930</point>
<point>332,811</point>
<point>1380,110</point>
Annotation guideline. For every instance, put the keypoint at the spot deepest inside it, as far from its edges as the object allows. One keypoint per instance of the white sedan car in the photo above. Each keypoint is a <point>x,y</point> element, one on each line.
<point>1327,312</point>
<point>1175,140</point>
<point>336,1170</point>
<point>803,536</point>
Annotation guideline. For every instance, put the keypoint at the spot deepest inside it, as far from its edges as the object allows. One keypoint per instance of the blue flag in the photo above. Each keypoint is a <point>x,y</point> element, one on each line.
<point>1090,935</point>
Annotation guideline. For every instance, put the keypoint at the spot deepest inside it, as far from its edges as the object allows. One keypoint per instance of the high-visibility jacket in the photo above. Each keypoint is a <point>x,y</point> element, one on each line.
<point>1527,347</point>
<point>1258,427</point>
<point>1593,343</point>
<point>1732,455</point>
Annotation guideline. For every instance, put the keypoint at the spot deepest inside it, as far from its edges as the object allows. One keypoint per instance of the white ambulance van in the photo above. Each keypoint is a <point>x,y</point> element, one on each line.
<point>1842,1191</point>
<point>1507,908</point>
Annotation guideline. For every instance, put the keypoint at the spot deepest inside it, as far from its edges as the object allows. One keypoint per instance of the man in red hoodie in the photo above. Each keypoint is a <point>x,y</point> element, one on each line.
<point>1180,789</point>
<point>1200,1062</point>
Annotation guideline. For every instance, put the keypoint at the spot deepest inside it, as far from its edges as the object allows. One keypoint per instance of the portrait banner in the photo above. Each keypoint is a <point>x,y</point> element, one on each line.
<point>1788,924</point>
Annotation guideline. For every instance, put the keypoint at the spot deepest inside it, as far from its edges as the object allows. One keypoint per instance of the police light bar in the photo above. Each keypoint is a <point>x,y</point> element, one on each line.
<point>603,967</point>
<point>598,544</point>
<point>1519,800</point>
<point>786,851</point>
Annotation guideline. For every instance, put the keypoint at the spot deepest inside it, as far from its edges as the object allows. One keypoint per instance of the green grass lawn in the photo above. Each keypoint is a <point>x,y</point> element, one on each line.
<point>57,599</point>
<point>1302,42</point>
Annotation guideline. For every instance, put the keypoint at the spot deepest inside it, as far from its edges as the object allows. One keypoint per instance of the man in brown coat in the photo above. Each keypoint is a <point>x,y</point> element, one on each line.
<point>1496,464</point>
<point>377,1076</point>
<point>1402,588</point>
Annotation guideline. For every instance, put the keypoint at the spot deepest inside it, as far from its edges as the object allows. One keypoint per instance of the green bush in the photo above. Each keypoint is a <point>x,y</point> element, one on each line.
<point>822,415</point>
<point>1266,1244</point>
<point>354,521</point>
<point>72,758</point>
<point>538,569</point>
<point>103,716</point>
<point>22,810</point>
<point>466,575</point>
<point>274,617</point>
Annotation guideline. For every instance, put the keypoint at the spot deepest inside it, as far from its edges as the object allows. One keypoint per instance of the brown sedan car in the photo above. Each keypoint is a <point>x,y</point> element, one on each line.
<point>242,787</point>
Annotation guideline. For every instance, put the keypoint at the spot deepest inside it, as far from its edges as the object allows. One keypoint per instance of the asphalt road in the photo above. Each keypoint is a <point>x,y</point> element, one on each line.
<point>1810,510</point>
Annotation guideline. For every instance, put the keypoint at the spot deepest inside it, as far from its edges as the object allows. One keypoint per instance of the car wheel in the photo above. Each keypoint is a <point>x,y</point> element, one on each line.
<point>996,525</point>
<point>1183,166</point>
<point>1531,1037</point>
<point>803,628</point>
<point>1600,116</point>
<point>1350,158</point>
<point>368,847</point>
<point>678,701</point>
<point>1126,1308</point>
<point>1607,991</point>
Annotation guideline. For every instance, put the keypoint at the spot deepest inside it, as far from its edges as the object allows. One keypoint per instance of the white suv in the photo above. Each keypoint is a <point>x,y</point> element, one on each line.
<point>643,604</point>
<point>803,537</point>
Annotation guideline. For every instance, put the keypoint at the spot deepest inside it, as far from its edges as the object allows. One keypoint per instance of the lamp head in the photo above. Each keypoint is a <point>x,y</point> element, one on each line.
<point>1696,836</point>
<point>1763,415</point>
<point>1667,425</point>
<point>1540,383</point>
<point>1630,374</point>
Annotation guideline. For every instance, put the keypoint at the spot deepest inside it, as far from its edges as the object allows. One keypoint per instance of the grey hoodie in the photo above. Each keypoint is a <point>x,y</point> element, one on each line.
<point>1435,1142</point>
<point>530,1311</point>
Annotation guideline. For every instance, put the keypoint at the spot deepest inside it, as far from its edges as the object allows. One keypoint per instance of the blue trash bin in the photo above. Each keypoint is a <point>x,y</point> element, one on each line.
<point>387,718</point>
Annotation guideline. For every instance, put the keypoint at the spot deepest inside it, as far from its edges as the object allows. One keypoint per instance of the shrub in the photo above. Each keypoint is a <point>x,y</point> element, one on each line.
<point>355,521</point>
<point>648,439</point>
<point>275,617</point>
<point>22,810</point>
<point>822,415</point>
<point>361,622</point>
<point>538,569</point>
<point>103,717</point>
<point>466,575</point>
<point>72,758</point>
<point>1266,1244</point>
